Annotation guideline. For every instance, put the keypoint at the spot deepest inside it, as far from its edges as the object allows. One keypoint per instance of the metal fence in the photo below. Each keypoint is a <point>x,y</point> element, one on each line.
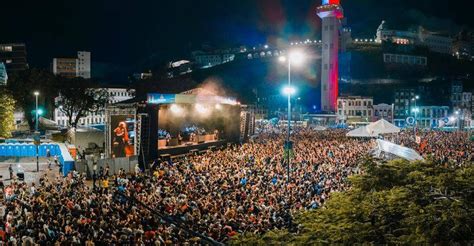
<point>127,163</point>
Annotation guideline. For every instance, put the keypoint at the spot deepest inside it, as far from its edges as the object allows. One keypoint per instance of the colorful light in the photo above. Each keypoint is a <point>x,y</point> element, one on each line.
<point>328,2</point>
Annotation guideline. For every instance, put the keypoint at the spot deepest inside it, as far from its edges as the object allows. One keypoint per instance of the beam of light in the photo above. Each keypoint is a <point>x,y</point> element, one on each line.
<point>175,109</point>
<point>201,109</point>
<point>296,57</point>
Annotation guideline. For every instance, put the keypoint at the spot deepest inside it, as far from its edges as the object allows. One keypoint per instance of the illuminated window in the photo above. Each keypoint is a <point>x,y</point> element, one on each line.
<point>7,48</point>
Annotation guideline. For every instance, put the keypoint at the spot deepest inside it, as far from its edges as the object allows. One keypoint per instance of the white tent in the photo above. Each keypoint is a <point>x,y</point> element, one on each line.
<point>374,129</point>
<point>382,127</point>
<point>389,150</point>
<point>361,132</point>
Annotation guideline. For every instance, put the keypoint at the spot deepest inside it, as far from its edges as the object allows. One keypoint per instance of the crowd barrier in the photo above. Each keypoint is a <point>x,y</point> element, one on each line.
<point>29,150</point>
<point>115,164</point>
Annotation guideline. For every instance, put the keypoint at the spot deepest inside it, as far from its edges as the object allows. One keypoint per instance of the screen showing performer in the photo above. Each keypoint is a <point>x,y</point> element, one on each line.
<point>122,136</point>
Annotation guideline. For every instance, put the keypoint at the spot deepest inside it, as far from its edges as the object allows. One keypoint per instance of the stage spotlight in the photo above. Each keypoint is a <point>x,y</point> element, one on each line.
<point>176,109</point>
<point>218,107</point>
<point>201,109</point>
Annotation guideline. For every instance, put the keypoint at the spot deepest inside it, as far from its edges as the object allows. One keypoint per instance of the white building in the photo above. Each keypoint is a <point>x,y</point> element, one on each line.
<point>331,13</point>
<point>3,74</point>
<point>354,109</point>
<point>115,95</point>
<point>383,111</point>
<point>73,67</point>
<point>84,64</point>
<point>435,43</point>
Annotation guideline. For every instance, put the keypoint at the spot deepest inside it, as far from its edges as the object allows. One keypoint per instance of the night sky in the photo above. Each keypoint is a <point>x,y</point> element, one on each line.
<point>135,34</point>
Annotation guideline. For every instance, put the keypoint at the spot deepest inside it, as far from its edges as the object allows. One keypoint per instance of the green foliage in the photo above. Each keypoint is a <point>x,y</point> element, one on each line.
<point>23,84</point>
<point>7,109</point>
<point>398,202</point>
<point>79,98</point>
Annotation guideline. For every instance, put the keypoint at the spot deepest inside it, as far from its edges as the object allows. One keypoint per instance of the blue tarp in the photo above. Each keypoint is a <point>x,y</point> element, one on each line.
<point>29,150</point>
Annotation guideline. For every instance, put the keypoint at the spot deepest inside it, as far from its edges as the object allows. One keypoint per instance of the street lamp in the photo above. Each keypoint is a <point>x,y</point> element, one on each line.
<point>295,57</point>
<point>289,90</point>
<point>458,122</point>
<point>415,99</point>
<point>36,93</point>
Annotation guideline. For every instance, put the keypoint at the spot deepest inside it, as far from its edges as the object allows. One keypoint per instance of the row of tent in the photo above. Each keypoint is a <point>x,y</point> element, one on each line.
<point>374,129</point>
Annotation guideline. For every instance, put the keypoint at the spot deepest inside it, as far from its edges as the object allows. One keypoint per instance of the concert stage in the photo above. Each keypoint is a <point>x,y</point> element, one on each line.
<point>189,147</point>
<point>175,124</point>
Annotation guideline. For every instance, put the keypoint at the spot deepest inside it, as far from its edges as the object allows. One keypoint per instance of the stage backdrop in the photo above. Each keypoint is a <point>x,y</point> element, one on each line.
<point>224,118</point>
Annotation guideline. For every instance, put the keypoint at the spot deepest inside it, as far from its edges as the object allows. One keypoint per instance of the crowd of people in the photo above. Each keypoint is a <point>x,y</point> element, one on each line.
<point>242,188</point>
<point>441,147</point>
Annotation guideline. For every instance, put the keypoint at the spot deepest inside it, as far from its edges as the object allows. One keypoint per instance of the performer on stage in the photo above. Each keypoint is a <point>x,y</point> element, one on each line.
<point>120,140</point>
<point>180,138</point>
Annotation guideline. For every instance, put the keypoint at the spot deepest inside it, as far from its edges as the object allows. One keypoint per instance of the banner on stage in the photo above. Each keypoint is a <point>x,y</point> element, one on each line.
<point>156,98</point>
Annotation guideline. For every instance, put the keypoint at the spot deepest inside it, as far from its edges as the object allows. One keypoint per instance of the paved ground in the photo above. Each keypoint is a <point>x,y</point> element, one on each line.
<point>29,165</point>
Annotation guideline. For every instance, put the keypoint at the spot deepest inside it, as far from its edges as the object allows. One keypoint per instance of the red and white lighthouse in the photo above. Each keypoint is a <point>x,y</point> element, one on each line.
<point>331,14</point>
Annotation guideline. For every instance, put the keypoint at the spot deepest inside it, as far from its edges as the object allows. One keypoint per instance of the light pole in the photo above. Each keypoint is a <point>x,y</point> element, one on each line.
<point>36,93</point>
<point>298,108</point>
<point>458,122</point>
<point>288,90</point>
<point>37,137</point>
<point>294,57</point>
<point>415,99</point>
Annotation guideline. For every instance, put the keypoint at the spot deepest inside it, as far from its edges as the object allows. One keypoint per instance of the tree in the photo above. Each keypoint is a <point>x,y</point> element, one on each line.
<point>78,98</point>
<point>22,85</point>
<point>393,203</point>
<point>7,109</point>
